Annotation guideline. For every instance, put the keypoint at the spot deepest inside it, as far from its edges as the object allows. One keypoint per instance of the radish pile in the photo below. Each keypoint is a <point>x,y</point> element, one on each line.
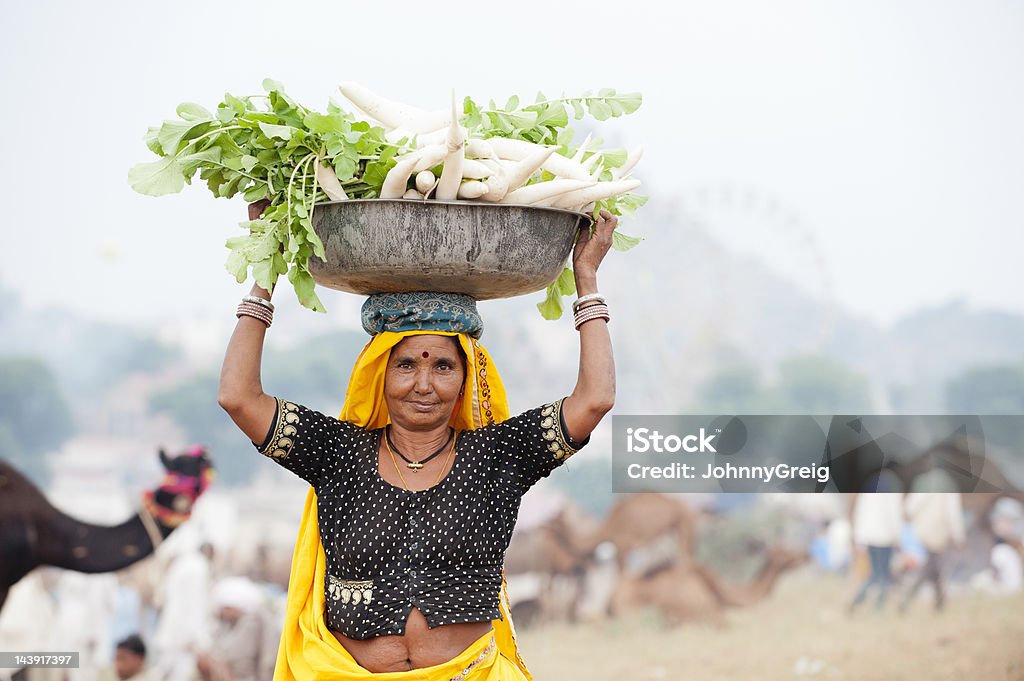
<point>270,147</point>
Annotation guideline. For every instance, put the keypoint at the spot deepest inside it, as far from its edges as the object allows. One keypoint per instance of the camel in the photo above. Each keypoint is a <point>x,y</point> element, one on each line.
<point>34,533</point>
<point>561,550</point>
<point>687,591</point>
<point>546,557</point>
<point>636,521</point>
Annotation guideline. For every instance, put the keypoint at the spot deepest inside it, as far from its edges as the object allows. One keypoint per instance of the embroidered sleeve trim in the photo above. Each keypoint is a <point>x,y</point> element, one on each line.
<point>282,438</point>
<point>560,445</point>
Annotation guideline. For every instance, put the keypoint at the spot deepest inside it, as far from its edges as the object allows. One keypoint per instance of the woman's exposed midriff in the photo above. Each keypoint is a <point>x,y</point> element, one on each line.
<point>420,646</point>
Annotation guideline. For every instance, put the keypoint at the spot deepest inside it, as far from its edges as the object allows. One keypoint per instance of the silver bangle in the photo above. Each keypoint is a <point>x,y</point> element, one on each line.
<point>262,302</point>
<point>586,299</point>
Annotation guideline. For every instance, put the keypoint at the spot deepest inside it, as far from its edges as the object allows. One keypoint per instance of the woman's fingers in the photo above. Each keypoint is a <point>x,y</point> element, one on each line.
<point>256,209</point>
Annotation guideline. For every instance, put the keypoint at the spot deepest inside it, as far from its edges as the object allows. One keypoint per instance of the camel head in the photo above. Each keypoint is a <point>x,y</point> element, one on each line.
<point>187,477</point>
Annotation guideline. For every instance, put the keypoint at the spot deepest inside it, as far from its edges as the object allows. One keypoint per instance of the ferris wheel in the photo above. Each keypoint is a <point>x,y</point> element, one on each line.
<point>757,225</point>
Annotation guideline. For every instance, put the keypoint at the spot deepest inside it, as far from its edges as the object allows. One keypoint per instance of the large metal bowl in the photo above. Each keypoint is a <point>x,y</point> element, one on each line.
<point>484,250</point>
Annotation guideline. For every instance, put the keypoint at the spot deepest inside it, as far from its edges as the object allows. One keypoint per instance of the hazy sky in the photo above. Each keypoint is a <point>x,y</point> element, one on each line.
<point>888,135</point>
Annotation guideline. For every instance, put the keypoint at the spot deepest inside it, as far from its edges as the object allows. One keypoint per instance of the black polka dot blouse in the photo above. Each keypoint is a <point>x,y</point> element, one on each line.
<point>440,549</point>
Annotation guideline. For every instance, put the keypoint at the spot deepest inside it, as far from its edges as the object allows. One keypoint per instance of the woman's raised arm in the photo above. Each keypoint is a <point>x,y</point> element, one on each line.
<point>241,391</point>
<point>594,393</point>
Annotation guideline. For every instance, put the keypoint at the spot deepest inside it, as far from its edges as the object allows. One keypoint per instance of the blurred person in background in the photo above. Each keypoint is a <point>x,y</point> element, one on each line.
<point>183,627</point>
<point>936,515</point>
<point>242,647</point>
<point>877,524</point>
<point>1005,572</point>
<point>129,661</point>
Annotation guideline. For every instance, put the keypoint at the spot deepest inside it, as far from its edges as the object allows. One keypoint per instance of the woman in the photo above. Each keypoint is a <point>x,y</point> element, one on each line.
<point>416,487</point>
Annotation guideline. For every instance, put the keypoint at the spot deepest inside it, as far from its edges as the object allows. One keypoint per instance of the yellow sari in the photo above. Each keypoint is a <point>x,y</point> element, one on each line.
<point>308,650</point>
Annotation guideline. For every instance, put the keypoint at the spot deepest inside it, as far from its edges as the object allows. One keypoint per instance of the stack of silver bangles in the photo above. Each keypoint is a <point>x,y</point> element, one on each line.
<point>257,308</point>
<point>588,307</point>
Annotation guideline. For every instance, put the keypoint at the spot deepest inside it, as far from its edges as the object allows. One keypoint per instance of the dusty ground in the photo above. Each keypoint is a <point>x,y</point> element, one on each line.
<point>801,632</point>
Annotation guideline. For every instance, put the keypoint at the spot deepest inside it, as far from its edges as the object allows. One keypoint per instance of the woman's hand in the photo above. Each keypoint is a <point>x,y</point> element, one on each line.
<point>256,209</point>
<point>591,248</point>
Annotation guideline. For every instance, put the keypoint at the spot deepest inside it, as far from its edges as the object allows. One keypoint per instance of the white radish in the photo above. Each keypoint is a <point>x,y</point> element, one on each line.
<point>631,160</point>
<point>473,189</point>
<point>520,171</point>
<point>544,191</point>
<point>598,192</point>
<point>425,182</point>
<point>589,163</point>
<point>451,174</point>
<point>397,179</point>
<point>578,157</point>
<point>517,150</point>
<point>412,194</point>
<point>475,170</point>
<point>497,182</point>
<point>478,148</point>
<point>430,157</point>
<point>394,114</point>
<point>328,181</point>
<point>437,137</point>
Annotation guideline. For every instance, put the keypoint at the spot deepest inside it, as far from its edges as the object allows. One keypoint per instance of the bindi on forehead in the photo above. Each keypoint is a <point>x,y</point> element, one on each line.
<point>425,354</point>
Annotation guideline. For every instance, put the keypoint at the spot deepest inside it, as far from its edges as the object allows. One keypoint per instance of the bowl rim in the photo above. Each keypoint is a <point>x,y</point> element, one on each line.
<point>457,202</point>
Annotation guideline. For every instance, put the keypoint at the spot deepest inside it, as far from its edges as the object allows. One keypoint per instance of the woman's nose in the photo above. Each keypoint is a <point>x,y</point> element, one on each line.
<point>422,383</point>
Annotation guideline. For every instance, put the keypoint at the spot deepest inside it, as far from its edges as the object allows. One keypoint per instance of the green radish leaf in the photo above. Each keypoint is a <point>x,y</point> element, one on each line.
<point>577,107</point>
<point>157,178</point>
<point>173,134</point>
<point>255,193</point>
<point>600,110</point>
<point>606,92</point>
<point>566,282</point>
<point>191,111</point>
<point>613,158</point>
<point>153,142</point>
<point>345,167</point>
<point>631,101</point>
<point>512,104</point>
<point>238,265</point>
<point>320,123</point>
<point>624,242</point>
<point>304,288</point>
<point>264,273</point>
<point>616,107</point>
<point>190,162</point>
<point>283,132</point>
<point>271,85</point>
<point>551,308</point>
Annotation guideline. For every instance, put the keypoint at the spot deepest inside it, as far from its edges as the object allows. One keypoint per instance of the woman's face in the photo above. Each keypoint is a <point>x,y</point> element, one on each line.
<point>424,377</point>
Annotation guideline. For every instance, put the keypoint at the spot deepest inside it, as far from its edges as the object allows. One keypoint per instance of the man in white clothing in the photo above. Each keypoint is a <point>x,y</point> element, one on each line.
<point>877,524</point>
<point>936,514</point>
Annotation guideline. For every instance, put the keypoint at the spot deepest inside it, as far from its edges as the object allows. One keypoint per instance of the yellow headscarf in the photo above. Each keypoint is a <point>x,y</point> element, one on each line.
<point>308,650</point>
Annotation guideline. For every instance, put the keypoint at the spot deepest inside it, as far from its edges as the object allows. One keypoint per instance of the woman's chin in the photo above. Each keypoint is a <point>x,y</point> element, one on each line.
<point>422,420</point>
